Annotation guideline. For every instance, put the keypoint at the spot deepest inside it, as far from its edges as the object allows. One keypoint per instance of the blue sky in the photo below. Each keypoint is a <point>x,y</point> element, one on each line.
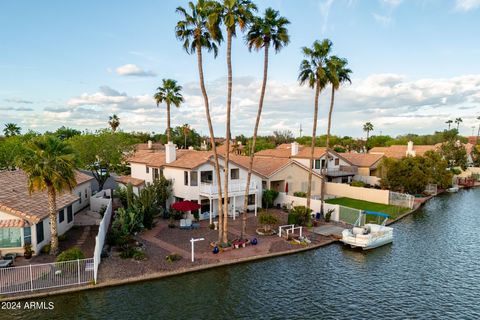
<point>74,63</point>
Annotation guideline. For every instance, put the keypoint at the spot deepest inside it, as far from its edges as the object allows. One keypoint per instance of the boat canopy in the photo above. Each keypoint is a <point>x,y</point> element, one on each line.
<point>373,213</point>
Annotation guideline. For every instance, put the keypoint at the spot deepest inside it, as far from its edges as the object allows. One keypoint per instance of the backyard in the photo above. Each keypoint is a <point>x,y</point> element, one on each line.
<point>393,211</point>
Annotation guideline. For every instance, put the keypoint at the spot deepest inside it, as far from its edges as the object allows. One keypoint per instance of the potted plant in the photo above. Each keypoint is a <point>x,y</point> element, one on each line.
<point>27,251</point>
<point>267,220</point>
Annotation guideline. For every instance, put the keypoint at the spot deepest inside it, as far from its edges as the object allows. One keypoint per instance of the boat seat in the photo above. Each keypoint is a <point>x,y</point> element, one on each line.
<point>358,230</point>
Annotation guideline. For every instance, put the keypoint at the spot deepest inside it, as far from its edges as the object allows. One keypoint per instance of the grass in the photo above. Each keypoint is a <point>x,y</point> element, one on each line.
<point>392,211</point>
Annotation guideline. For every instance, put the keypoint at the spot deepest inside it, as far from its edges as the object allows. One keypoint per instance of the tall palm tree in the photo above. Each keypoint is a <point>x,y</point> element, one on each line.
<point>458,121</point>
<point>11,129</point>
<point>449,122</point>
<point>170,93</point>
<point>478,132</point>
<point>266,31</point>
<point>313,71</point>
<point>186,131</point>
<point>197,31</point>
<point>233,14</point>
<point>49,165</point>
<point>337,73</point>
<point>114,122</point>
<point>367,127</point>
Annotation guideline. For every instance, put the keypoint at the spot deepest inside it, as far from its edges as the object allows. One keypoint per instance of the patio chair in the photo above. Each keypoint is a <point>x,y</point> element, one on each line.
<point>10,256</point>
<point>185,224</point>
<point>5,263</point>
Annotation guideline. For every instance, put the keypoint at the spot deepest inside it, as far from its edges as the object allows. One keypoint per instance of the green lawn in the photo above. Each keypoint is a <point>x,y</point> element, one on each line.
<point>392,211</point>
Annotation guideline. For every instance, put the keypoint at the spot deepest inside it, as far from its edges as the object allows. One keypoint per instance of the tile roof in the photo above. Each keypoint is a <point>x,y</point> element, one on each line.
<point>362,159</point>
<point>305,152</point>
<point>261,165</point>
<point>16,200</point>
<point>144,147</point>
<point>400,151</point>
<point>12,223</point>
<point>276,153</point>
<point>128,179</point>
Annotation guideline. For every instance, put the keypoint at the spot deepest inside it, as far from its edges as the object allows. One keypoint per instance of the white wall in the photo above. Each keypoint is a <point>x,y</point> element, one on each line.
<point>366,194</point>
<point>80,191</point>
<point>138,170</point>
<point>315,205</point>
<point>98,200</point>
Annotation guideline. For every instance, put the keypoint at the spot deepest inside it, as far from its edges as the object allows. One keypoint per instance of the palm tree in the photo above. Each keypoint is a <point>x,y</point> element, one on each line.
<point>186,130</point>
<point>266,31</point>
<point>478,132</point>
<point>458,121</point>
<point>196,30</point>
<point>313,70</point>
<point>367,127</point>
<point>233,13</point>
<point>449,122</point>
<point>169,93</point>
<point>114,122</point>
<point>49,165</point>
<point>337,73</point>
<point>11,129</point>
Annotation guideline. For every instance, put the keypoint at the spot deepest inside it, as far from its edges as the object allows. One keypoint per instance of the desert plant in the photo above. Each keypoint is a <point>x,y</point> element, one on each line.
<point>300,194</point>
<point>267,219</point>
<point>71,254</point>
<point>269,197</point>
<point>356,183</point>
<point>173,257</point>
<point>27,251</point>
<point>328,215</point>
<point>303,214</point>
<point>46,249</point>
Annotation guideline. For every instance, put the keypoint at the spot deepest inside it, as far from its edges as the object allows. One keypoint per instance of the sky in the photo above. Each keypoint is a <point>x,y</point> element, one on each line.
<point>415,65</point>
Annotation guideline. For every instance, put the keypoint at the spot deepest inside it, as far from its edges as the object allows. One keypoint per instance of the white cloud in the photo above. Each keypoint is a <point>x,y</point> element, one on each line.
<point>392,3</point>
<point>384,20</point>
<point>467,5</point>
<point>133,70</point>
<point>325,12</point>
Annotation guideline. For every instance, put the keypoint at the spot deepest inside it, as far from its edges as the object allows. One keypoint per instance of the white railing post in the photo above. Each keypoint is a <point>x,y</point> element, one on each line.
<point>301,228</point>
<point>78,265</point>
<point>31,278</point>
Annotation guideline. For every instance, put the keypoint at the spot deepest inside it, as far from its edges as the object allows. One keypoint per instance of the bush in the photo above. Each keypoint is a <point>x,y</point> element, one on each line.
<point>102,211</point>
<point>267,219</point>
<point>303,215</point>
<point>138,255</point>
<point>300,194</point>
<point>211,226</point>
<point>328,215</point>
<point>269,197</point>
<point>46,249</point>
<point>356,183</point>
<point>127,253</point>
<point>293,218</point>
<point>71,254</point>
<point>173,257</point>
<point>63,237</point>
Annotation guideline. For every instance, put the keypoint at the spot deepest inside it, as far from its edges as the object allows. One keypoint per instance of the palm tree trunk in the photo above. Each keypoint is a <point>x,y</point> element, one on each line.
<point>312,149</point>
<point>478,135</point>
<point>254,141</point>
<point>52,211</point>
<point>227,134</point>
<point>168,122</point>
<point>327,145</point>
<point>212,141</point>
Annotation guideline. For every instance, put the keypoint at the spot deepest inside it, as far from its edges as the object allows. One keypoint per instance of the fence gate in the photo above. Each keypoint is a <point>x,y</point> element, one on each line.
<point>401,199</point>
<point>431,189</point>
<point>348,215</point>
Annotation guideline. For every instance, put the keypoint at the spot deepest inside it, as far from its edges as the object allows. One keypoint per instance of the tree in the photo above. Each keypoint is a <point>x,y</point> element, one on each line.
<point>283,136</point>
<point>197,31</point>
<point>49,164</point>
<point>269,197</point>
<point>266,31</point>
<point>170,93</point>
<point>114,122</point>
<point>102,153</point>
<point>367,127</point>
<point>64,133</point>
<point>449,122</point>
<point>11,129</point>
<point>454,152</point>
<point>185,130</point>
<point>458,121</point>
<point>438,169</point>
<point>313,70</point>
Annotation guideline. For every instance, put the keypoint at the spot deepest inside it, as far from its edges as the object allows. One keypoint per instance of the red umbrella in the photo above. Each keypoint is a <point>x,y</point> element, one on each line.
<point>286,187</point>
<point>186,206</point>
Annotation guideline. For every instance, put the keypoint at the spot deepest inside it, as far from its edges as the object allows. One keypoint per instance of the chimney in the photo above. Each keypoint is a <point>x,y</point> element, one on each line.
<point>190,148</point>
<point>170,152</point>
<point>149,144</point>
<point>410,151</point>
<point>294,147</point>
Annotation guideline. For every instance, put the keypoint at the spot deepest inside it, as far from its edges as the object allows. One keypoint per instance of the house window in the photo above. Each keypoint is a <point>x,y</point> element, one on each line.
<point>324,164</point>
<point>194,178</point>
<point>156,174</point>
<point>147,169</point>
<point>40,234</point>
<point>235,174</point>
<point>61,216</point>
<point>86,194</point>
<point>27,235</point>
<point>337,161</point>
<point>80,197</point>
<point>206,176</point>
<point>185,178</point>
<point>317,164</point>
<point>251,199</point>
<point>10,237</point>
<point>69,214</point>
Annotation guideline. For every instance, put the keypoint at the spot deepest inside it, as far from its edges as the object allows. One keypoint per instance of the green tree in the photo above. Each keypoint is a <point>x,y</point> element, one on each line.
<point>170,93</point>
<point>268,198</point>
<point>198,31</point>
<point>283,136</point>
<point>49,164</point>
<point>64,133</point>
<point>367,127</point>
<point>458,121</point>
<point>313,70</point>
<point>449,122</point>
<point>11,129</point>
<point>114,122</point>
<point>438,169</point>
<point>454,152</point>
<point>186,131</point>
<point>265,32</point>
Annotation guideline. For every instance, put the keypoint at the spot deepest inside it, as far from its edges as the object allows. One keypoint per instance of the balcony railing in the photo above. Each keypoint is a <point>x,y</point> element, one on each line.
<point>233,187</point>
<point>342,171</point>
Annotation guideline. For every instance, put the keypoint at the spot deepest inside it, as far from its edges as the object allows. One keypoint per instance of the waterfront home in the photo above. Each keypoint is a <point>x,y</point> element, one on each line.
<point>193,176</point>
<point>401,151</point>
<point>339,169</point>
<point>367,165</point>
<point>24,217</point>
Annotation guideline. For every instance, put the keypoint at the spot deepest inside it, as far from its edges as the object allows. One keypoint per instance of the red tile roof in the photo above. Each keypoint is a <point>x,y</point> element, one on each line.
<point>362,159</point>
<point>12,223</point>
<point>400,151</point>
<point>128,179</point>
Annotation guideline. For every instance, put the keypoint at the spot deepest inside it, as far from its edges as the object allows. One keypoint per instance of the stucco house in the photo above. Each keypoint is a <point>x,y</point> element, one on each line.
<point>24,217</point>
<point>367,165</point>
<point>339,169</point>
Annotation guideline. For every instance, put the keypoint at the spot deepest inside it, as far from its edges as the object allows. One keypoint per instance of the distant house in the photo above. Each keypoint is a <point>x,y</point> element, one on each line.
<point>400,151</point>
<point>367,165</point>
<point>473,140</point>
<point>24,217</point>
<point>338,170</point>
<point>149,146</point>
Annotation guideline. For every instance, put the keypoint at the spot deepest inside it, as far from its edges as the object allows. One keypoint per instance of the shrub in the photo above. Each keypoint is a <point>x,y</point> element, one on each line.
<point>328,215</point>
<point>267,219</point>
<point>127,253</point>
<point>300,194</point>
<point>102,211</point>
<point>211,226</point>
<point>173,257</point>
<point>269,197</point>
<point>139,255</point>
<point>293,218</point>
<point>71,254</point>
<point>46,249</point>
<point>303,214</point>
<point>356,183</point>
<point>63,237</point>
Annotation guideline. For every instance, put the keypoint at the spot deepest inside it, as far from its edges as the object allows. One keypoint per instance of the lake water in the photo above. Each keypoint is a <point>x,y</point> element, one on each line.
<point>431,271</point>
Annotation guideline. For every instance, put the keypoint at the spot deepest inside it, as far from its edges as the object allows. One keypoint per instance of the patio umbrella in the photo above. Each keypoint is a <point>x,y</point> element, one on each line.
<point>185,206</point>
<point>286,187</point>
